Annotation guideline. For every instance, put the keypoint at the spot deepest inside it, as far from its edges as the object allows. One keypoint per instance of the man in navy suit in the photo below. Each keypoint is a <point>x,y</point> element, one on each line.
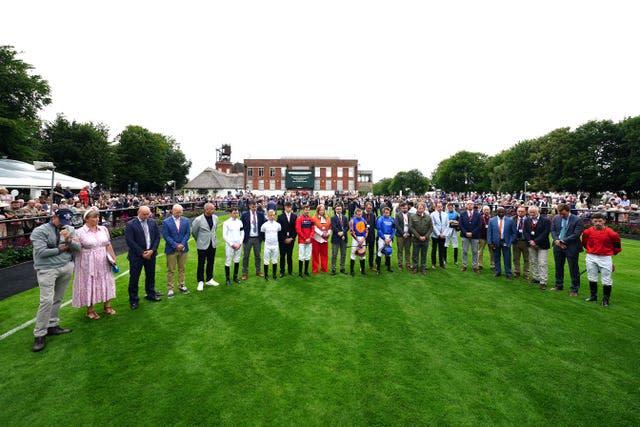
<point>536,232</point>
<point>252,221</point>
<point>287,238</point>
<point>176,231</point>
<point>470,225</point>
<point>339,235</point>
<point>143,237</point>
<point>566,229</point>
<point>500,236</point>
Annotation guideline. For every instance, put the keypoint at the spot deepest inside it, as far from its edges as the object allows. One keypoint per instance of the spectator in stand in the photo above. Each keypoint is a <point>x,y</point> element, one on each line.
<point>252,221</point>
<point>93,282</point>
<point>83,195</point>
<point>485,217</point>
<point>3,226</point>
<point>404,237</point>
<point>67,193</point>
<point>58,193</point>
<point>176,231</point>
<point>5,196</point>
<point>13,212</point>
<point>601,244</point>
<point>536,231</point>
<point>566,229</point>
<point>520,245</point>
<point>320,242</point>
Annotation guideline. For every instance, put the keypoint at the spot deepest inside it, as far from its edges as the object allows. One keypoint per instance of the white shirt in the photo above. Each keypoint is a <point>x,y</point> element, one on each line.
<point>232,231</point>
<point>270,230</point>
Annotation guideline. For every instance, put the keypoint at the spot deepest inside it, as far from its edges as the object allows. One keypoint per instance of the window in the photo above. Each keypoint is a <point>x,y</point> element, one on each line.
<point>272,172</point>
<point>283,172</point>
<point>261,184</point>
<point>316,187</point>
<point>317,171</point>
<point>272,184</point>
<point>352,185</point>
<point>329,172</point>
<point>351,172</point>
<point>339,185</point>
<point>249,171</point>
<point>340,172</point>
<point>260,171</point>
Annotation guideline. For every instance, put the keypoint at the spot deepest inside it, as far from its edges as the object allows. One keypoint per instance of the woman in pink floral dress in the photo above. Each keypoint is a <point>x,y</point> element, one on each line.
<point>94,282</point>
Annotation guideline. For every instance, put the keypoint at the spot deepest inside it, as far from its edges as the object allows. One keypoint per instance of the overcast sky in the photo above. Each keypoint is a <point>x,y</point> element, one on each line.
<point>396,84</point>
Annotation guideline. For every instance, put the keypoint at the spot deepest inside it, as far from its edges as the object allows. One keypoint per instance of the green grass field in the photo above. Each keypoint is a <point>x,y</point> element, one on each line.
<point>451,348</point>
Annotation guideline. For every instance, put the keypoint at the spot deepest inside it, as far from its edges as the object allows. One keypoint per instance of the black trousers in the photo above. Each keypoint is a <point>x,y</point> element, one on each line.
<point>136,264</point>
<point>437,245</point>
<point>205,256</point>
<point>286,254</point>
<point>372,249</point>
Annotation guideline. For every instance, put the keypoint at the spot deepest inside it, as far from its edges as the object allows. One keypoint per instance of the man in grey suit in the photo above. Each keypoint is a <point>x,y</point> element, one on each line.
<point>340,232</point>
<point>566,229</point>
<point>404,237</point>
<point>203,230</point>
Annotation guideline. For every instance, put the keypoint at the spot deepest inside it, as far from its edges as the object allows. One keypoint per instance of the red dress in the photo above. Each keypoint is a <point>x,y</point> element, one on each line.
<point>320,243</point>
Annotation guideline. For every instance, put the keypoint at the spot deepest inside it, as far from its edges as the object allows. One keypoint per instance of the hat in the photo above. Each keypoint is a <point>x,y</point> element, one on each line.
<point>64,216</point>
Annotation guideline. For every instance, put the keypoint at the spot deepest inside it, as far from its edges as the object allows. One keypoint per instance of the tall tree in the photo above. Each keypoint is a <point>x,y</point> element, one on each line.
<point>464,171</point>
<point>409,181</point>
<point>148,159</point>
<point>382,186</point>
<point>79,149</point>
<point>22,96</point>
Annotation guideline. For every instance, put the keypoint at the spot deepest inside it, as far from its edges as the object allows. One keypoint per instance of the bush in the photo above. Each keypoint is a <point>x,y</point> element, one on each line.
<point>13,256</point>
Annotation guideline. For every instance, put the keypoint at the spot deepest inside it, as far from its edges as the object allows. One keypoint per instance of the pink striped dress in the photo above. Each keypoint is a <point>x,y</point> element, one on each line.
<point>93,282</point>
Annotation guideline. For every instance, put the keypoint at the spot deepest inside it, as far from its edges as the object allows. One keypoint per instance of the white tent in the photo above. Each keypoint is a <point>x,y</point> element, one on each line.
<point>20,175</point>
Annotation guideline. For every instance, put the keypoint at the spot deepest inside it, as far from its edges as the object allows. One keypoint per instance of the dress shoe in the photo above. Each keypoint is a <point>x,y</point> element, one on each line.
<point>556,288</point>
<point>170,294</point>
<point>158,293</point>
<point>266,277</point>
<point>258,273</point>
<point>509,277</point>
<point>535,282</point>
<point>463,269</point>
<point>343,271</point>
<point>244,277</point>
<point>605,302</point>
<point>496,274</point>
<point>476,270</point>
<point>573,294</point>
<point>154,298</point>
<point>134,306</point>
<point>282,275</point>
<point>400,267</point>
<point>543,287</point>
<point>516,274</point>
<point>480,267</point>
<point>200,287</point>
<point>57,330</point>
<point>236,281</point>
<point>228,282</point>
<point>38,344</point>
<point>212,283</point>
<point>592,298</point>
<point>183,289</point>
<point>333,273</point>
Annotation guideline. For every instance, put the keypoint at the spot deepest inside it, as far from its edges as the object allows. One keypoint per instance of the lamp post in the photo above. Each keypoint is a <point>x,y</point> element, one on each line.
<point>525,186</point>
<point>40,166</point>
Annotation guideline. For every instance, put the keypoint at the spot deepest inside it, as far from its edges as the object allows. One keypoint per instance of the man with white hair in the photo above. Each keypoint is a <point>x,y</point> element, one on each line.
<point>536,231</point>
<point>176,233</point>
<point>203,230</point>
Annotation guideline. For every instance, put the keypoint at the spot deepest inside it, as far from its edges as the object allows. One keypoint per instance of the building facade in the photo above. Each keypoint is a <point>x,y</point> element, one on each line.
<point>295,173</point>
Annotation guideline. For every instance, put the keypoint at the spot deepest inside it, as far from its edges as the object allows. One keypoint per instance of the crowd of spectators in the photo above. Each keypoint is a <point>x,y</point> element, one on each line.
<point>19,217</point>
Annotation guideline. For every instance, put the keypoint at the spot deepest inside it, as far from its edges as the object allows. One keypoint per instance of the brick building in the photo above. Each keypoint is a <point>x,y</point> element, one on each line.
<point>328,174</point>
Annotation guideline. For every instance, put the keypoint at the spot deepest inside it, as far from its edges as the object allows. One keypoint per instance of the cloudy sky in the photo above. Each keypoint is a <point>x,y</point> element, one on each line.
<point>397,85</point>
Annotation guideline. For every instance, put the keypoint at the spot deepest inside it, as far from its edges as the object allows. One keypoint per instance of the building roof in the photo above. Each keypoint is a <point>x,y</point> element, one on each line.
<point>216,180</point>
<point>17,174</point>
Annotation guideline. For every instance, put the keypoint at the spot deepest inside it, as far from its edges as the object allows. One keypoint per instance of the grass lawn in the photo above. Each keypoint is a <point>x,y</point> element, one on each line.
<point>451,348</point>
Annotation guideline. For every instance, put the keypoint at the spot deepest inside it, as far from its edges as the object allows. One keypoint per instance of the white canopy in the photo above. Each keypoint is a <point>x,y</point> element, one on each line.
<point>16,174</point>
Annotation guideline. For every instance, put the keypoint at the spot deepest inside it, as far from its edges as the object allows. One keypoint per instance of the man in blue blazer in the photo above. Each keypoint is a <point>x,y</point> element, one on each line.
<point>536,232</point>
<point>566,229</point>
<point>470,225</point>
<point>143,237</point>
<point>339,236</point>
<point>176,231</point>
<point>252,221</point>
<point>500,236</point>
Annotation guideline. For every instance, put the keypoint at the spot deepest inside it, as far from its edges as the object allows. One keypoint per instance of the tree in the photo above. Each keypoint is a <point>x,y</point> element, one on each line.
<point>410,181</point>
<point>81,150</point>
<point>22,96</point>
<point>382,186</point>
<point>464,171</point>
<point>148,159</point>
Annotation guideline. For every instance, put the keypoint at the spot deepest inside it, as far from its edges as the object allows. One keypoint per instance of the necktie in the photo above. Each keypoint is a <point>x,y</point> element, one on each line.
<point>178,225</point>
<point>145,230</point>
<point>563,230</point>
<point>520,224</point>
<point>440,218</point>
<point>254,225</point>
<point>500,227</point>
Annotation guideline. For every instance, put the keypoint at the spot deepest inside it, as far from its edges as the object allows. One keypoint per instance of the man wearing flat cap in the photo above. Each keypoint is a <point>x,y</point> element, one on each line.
<point>53,246</point>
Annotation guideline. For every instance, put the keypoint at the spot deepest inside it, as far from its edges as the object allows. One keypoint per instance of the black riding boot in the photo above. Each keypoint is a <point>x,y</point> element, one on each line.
<point>266,272</point>
<point>352,264</point>
<point>362,270</point>
<point>387,262</point>
<point>378,265</point>
<point>606,294</point>
<point>300,268</point>
<point>594,292</point>
<point>227,273</point>
<point>306,268</point>
<point>455,256</point>
<point>236,267</point>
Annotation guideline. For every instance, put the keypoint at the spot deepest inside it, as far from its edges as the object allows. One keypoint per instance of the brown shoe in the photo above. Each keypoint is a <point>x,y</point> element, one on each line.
<point>243,277</point>
<point>258,273</point>
<point>543,286</point>
<point>476,270</point>
<point>573,294</point>
<point>423,272</point>
<point>400,267</point>
<point>463,269</point>
<point>556,289</point>
<point>516,274</point>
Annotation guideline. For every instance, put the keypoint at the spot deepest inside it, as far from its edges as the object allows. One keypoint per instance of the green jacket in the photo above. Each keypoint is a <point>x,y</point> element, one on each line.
<point>420,225</point>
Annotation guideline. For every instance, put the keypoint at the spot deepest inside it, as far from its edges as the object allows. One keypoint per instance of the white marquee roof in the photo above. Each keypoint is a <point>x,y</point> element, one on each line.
<point>16,174</point>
